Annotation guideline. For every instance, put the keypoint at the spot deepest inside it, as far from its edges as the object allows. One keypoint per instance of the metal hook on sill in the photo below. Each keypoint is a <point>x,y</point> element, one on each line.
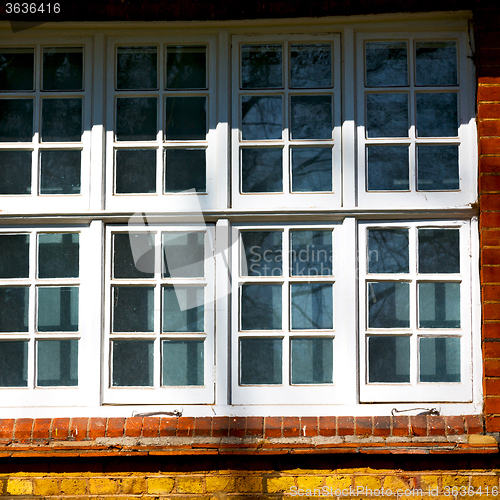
<point>175,413</point>
<point>427,411</point>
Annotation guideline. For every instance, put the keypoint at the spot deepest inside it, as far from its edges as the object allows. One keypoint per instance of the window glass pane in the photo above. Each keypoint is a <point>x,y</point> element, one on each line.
<point>311,117</point>
<point>136,68</point>
<point>133,255</point>
<point>387,115</point>
<point>438,250</point>
<point>311,253</point>
<point>62,68</point>
<point>186,119</point>
<point>386,64</point>
<point>133,309</point>
<point>261,307</point>
<point>133,363</point>
<point>136,118</point>
<point>14,364</point>
<point>437,115</point>
<point>58,255</point>
<point>388,168</point>
<point>439,359</point>
<point>183,309</point>
<point>183,255</point>
<point>388,305</point>
<point>260,361</point>
<point>135,171</point>
<point>60,171</point>
<point>436,63</point>
<point>312,361</point>
<point>185,169</point>
<point>261,117</point>
<point>388,359</point>
<point>14,255</point>
<point>261,170</point>
<point>62,120</point>
<point>57,309</point>
<point>16,120</point>
<point>261,66</point>
<point>57,363</point>
<point>312,306</point>
<point>439,305</point>
<point>15,172</point>
<point>311,66</point>
<point>261,253</point>
<point>14,307</point>
<point>182,362</point>
<point>186,67</point>
<point>16,69</point>
<point>312,170</point>
<point>437,168</point>
<point>388,250</point>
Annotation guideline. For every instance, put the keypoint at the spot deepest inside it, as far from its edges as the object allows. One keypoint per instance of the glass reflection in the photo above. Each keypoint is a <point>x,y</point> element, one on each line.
<point>311,117</point>
<point>388,304</point>
<point>386,64</point>
<point>386,115</point>
<point>388,168</point>
<point>312,170</point>
<point>183,309</point>
<point>186,119</point>
<point>135,171</point>
<point>312,306</point>
<point>133,309</point>
<point>261,253</point>
<point>185,169</point>
<point>57,363</point>
<point>186,67</point>
<point>15,172</point>
<point>136,118</point>
<point>183,254</point>
<point>57,309</point>
<point>437,115</point>
<point>312,360</point>
<point>182,362</point>
<point>388,250</point>
<point>439,359</point>
<point>13,363</point>
<point>439,305</point>
<point>311,66</point>
<point>261,117</point>
<point>17,69</point>
<point>438,250</point>
<point>62,120</point>
<point>388,359</point>
<point>16,120</point>
<point>261,170</point>
<point>261,307</point>
<point>60,171</point>
<point>436,63</point>
<point>133,363</point>
<point>14,308</point>
<point>136,68</point>
<point>261,66</point>
<point>311,253</point>
<point>58,255</point>
<point>437,168</point>
<point>14,255</point>
<point>133,255</point>
<point>260,361</point>
<point>62,68</point>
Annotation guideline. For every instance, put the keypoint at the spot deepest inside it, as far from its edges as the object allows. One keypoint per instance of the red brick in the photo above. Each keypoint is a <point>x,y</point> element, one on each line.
<point>454,425</point>
<point>491,367</point>
<point>168,426</point>
<point>345,426</point>
<point>491,311</point>
<point>418,425</point>
<point>364,426</point>
<point>488,93</point>
<point>488,111</point>
<point>291,427</point>
<point>490,274</point>
<point>491,292</point>
<point>220,426</point>
<point>97,428</point>
<point>488,72</point>
<point>185,426</point>
<point>133,427</point>
<point>487,219</point>
<point>435,425</point>
<point>327,426</point>
<point>41,428</point>
<point>492,386</point>
<point>78,429</point>
<point>151,427</point>
<point>309,426</point>
<point>255,426</point>
<point>489,146</point>
<point>116,427</point>
<point>203,426</point>
<point>489,57</point>
<point>381,426</point>
<point>473,424</point>
<point>491,330</point>
<point>489,182</point>
<point>489,164</point>
<point>490,202</point>
<point>492,424</point>
<point>491,349</point>
<point>273,426</point>
<point>488,80</point>
<point>7,428</point>
<point>60,428</point>
<point>22,431</point>
<point>237,426</point>
<point>489,128</point>
<point>490,238</point>
<point>491,405</point>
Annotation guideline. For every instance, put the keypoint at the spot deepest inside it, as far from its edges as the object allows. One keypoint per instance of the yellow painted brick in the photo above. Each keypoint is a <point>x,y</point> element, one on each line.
<point>102,486</point>
<point>46,487</point>
<point>159,485</point>
<point>73,486</point>
<point>280,484</point>
<point>484,481</point>
<point>190,485</point>
<point>133,485</point>
<point>338,482</point>
<point>395,483</point>
<point>249,484</point>
<point>455,481</point>
<point>309,482</point>
<point>220,484</point>
<point>19,487</point>
<point>429,482</point>
<point>368,482</point>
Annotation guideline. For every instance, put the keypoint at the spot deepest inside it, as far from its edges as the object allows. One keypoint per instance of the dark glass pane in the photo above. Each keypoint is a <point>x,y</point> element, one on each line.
<point>16,69</point>
<point>388,305</point>
<point>388,359</point>
<point>311,66</point>
<point>311,117</point>
<point>16,120</point>
<point>135,171</point>
<point>60,171</point>
<point>57,363</point>
<point>133,363</point>
<point>439,305</point>
<point>183,309</point>
<point>388,168</point>
<point>133,255</point>
<point>185,169</point>
<point>388,250</point>
<point>58,255</point>
<point>386,64</point>
<point>260,361</point>
<point>436,63</point>
<point>439,359</point>
<point>386,115</point>
<point>62,68</point>
<point>312,306</point>
<point>437,168</point>
<point>311,253</point>
<point>186,119</point>
<point>437,115</point>
<point>183,362</point>
<point>438,250</point>
<point>62,120</point>
<point>183,254</point>
<point>261,307</point>
<point>14,306</point>
<point>136,118</point>
<point>312,361</point>
<point>261,117</point>
<point>312,170</point>
<point>133,309</point>
<point>136,68</point>
<point>261,66</point>
<point>14,255</point>
<point>15,172</point>
<point>186,67</point>
<point>261,170</point>
<point>14,364</point>
<point>57,309</point>
<point>261,253</point>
